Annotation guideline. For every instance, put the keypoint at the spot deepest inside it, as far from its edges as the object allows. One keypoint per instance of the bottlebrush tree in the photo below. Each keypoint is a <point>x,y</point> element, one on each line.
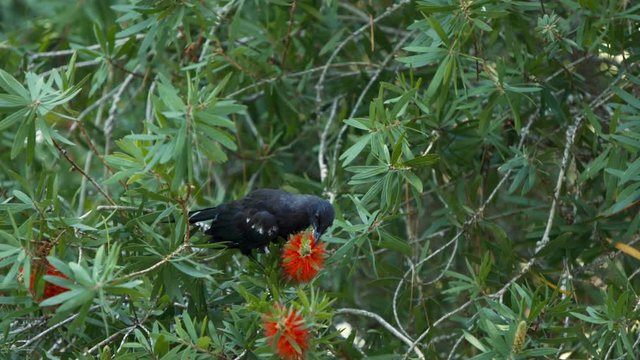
<point>481,156</point>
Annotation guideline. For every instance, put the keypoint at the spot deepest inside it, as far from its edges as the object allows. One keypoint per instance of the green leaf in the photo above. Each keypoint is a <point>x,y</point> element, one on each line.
<point>397,150</point>
<point>22,136</point>
<point>169,96</point>
<point>436,81</point>
<point>481,25</point>
<point>351,153</point>
<point>332,43</point>
<point>15,300</point>
<point>365,172</point>
<point>102,41</point>
<point>65,296</point>
<point>474,341</point>
<point>435,24</point>
<point>522,89</point>
<point>414,180</point>
<point>593,120</point>
<point>359,123</point>
<point>628,98</point>
<point>544,351</point>
<point>12,86</point>
<point>190,270</point>
<point>401,104</point>
<point>214,120</point>
<point>391,242</point>
<point>595,166</point>
<point>220,136</point>
<point>136,28</point>
<point>9,101</point>
<point>626,199</point>
<point>434,7</point>
<point>81,275</point>
<point>13,118</point>
<point>589,319</point>
<point>23,197</point>
<point>422,160</point>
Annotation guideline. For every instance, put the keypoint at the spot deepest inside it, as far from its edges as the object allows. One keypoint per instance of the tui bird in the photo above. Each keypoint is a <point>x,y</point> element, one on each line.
<point>262,216</point>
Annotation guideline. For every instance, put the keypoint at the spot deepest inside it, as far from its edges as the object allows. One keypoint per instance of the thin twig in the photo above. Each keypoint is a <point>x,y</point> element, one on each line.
<point>108,124</point>
<point>156,265</point>
<point>50,329</point>
<point>385,324</point>
<point>299,74</point>
<point>570,137</point>
<point>394,304</point>
<point>69,52</point>
<point>94,150</point>
<point>323,147</point>
<point>365,17</point>
<point>148,113</point>
<point>454,347</point>
<point>64,153</point>
<point>124,338</point>
<point>77,65</point>
<point>220,13</point>
<point>287,42</point>
<point>356,107</point>
<point>476,215</point>
<point>564,290</point>
<point>123,207</point>
<point>602,259</point>
<point>35,323</point>
<point>254,129</point>
<point>91,107</point>
<point>242,354</point>
<point>83,184</point>
<point>353,35</point>
<point>107,340</point>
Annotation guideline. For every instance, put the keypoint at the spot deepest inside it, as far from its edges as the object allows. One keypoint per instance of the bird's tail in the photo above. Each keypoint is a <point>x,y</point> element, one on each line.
<point>203,214</point>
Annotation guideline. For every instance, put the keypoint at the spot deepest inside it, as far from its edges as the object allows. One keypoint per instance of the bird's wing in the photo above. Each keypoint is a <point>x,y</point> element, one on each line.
<point>260,227</point>
<point>261,217</point>
<point>266,197</point>
<point>240,224</point>
<point>225,222</point>
<point>290,210</point>
<point>203,214</point>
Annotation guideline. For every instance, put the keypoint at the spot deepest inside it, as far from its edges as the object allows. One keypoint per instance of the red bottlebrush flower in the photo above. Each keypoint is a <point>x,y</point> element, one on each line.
<point>50,290</point>
<point>287,333</point>
<point>302,257</point>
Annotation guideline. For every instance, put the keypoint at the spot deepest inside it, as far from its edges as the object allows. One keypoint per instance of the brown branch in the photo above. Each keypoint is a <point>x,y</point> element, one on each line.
<point>64,153</point>
<point>288,39</point>
<point>371,33</point>
<point>154,266</point>
<point>93,148</point>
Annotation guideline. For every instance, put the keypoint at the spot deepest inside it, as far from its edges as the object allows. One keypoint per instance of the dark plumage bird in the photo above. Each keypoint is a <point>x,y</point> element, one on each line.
<point>263,216</point>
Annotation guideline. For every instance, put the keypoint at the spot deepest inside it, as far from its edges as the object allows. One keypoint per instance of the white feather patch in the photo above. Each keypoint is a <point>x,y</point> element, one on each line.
<point>203,226</point>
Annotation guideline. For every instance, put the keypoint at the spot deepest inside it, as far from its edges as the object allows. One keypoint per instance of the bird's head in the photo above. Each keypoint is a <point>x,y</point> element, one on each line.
<point>321,216</point>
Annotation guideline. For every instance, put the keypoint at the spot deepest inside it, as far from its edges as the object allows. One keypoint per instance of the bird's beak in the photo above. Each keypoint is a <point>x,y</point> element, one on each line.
<point>316,235</point>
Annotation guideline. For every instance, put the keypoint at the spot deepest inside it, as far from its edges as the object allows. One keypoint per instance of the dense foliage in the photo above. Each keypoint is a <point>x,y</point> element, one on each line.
<point>482,157</point>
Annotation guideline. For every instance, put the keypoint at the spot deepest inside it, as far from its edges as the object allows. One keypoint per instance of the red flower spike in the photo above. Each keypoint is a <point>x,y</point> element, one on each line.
<point>50,290</point>
<point>287,333</point>
<point>303,257</point>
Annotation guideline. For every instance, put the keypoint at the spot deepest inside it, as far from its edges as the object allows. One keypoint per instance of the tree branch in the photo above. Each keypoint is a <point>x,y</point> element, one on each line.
<point>385,324</point>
